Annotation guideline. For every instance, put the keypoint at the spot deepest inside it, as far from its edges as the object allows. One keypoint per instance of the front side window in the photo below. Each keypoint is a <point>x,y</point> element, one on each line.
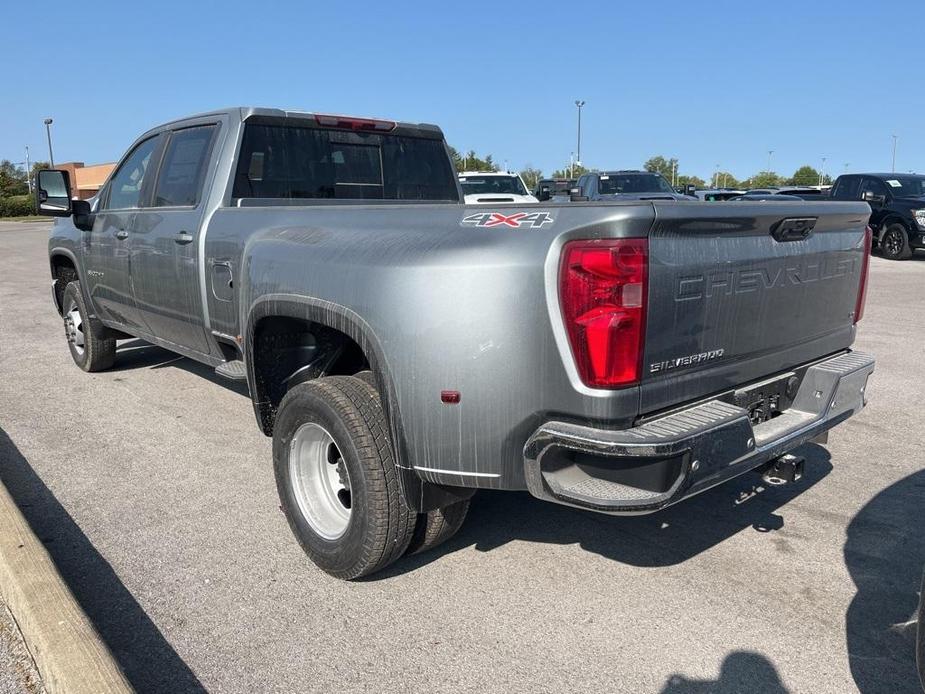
<point>292,162</point>
<point>179,183</point>
<point>872,185</point>
<point>126,185</point>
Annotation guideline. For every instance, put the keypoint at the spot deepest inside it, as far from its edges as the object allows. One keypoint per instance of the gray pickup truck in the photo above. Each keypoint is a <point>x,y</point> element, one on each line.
<point>404,349</point>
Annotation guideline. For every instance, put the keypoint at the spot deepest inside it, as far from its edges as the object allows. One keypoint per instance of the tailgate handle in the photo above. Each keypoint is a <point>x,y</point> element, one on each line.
<point>793,228</point>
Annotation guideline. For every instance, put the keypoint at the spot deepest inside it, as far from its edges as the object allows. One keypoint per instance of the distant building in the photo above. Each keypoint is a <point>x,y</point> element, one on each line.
<point>86,181</point>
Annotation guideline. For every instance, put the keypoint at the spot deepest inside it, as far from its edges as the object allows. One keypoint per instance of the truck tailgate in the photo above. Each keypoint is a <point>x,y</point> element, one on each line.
<point>733,298</point>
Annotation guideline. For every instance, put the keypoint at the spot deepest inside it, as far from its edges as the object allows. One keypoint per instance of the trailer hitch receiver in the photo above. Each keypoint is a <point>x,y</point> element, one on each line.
<point>784,470</point>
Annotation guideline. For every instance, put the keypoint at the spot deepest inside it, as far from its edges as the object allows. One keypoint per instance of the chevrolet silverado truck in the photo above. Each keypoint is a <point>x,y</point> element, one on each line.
<point>404,349</point>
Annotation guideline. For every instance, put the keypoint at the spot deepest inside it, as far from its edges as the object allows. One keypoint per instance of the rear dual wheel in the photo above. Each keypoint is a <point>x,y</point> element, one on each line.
<point>338,483</point>
<point>336,478</point>
<point>436,526</point>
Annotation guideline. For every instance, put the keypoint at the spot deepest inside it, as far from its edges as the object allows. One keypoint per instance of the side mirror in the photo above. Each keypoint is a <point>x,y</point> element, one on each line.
<point>544,194</point>
<point>690,189</point>
<point>872,198</point>
<point>575,195</point>
<point>83,215</point>
<point>53,193</point>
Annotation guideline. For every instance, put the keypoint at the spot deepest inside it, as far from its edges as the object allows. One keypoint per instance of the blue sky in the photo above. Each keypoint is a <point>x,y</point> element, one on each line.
<point>708,82</point>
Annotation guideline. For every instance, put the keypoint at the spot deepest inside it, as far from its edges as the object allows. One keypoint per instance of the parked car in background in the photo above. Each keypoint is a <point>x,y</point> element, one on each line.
<point>765,197</point>
<point>403,349</point>
<point>624,185</point>
<point>897,203</point>
<point>492,187</point>
<point>805,192</point>
<point>714,195</point>
<point>552,188</point>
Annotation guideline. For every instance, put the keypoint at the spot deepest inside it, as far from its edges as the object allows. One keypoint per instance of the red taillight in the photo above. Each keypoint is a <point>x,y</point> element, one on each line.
<point>865,271</point>
<point>603,293</point>
<point>349,123</point>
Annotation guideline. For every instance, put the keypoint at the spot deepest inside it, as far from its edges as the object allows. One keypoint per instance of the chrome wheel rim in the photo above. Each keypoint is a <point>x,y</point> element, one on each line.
<point>74,328</point>
<point>320,482</point>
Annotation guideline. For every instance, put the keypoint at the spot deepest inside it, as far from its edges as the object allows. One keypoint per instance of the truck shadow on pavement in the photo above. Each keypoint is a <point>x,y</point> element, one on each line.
<point>665,538</point>
<point>741,671</point>
<point>885,555</point>
<point>148,660</point>
<point>138,354</point>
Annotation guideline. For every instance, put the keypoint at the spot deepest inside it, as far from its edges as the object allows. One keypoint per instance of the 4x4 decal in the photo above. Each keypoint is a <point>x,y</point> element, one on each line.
<point>533,220</point>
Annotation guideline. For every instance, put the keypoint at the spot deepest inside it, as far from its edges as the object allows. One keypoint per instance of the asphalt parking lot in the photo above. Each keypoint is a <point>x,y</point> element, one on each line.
<point>153,491</point>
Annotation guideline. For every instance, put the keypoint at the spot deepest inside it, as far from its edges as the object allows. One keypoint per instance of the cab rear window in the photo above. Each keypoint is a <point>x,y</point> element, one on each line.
<point>291,162</point>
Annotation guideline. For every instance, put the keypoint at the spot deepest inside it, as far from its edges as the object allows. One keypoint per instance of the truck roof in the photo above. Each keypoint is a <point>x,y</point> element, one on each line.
<point>882,175</point>
<point>243,113</point>
<point>507,174</point>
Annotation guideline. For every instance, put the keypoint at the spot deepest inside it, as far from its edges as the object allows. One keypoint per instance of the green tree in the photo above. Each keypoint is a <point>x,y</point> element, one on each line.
<point>470,161</point>
<point>765,179</point>
<point>666,167</point>
<point>531,176</point>
<point>12,179</point>
<point>724,179</point>
<point>696,181</point>
<point>570,171</point>
<point>804,176</point>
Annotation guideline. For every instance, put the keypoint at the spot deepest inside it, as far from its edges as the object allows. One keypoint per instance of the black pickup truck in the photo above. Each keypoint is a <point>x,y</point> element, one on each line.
<point>897,203</point>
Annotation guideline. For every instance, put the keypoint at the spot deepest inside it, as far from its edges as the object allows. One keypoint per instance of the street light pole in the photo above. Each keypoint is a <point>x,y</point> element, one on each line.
<point>822,173</point>
<point>894,152</point>
<point>51,157</point>
<point>579,103</point>
<point>770,152</point>
<point>28,171</point>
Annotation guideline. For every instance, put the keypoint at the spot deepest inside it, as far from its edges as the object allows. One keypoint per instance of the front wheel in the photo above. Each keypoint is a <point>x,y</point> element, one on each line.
<point>89,350</point>
<point>895,243</point>
<point>337,480</point>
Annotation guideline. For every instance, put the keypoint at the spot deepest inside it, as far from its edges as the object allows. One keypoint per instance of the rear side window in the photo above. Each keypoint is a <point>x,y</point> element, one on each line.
<point>179,182</point>
<point>281,161</point>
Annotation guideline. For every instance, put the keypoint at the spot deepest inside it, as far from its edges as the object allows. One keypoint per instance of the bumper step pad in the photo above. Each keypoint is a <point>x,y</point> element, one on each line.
<point>586,466</point>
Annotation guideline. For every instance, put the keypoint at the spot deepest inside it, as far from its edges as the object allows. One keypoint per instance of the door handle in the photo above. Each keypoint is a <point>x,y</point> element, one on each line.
<point>122,234</point>
<point>183,238</point>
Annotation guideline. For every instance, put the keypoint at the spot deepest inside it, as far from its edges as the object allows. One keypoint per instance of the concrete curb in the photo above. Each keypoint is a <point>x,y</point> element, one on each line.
<point>68,652</point>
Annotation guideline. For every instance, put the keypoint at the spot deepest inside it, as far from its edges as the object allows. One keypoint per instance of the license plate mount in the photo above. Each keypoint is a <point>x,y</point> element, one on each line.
<point>767,399</point>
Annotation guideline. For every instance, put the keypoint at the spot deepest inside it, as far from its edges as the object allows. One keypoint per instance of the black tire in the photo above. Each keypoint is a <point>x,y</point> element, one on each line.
<point>367,377</point>
<point>380,523</point>
<point>920,638</point>
<point>436,527</point>
<point>97,353</point>
<point>894,244</point>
